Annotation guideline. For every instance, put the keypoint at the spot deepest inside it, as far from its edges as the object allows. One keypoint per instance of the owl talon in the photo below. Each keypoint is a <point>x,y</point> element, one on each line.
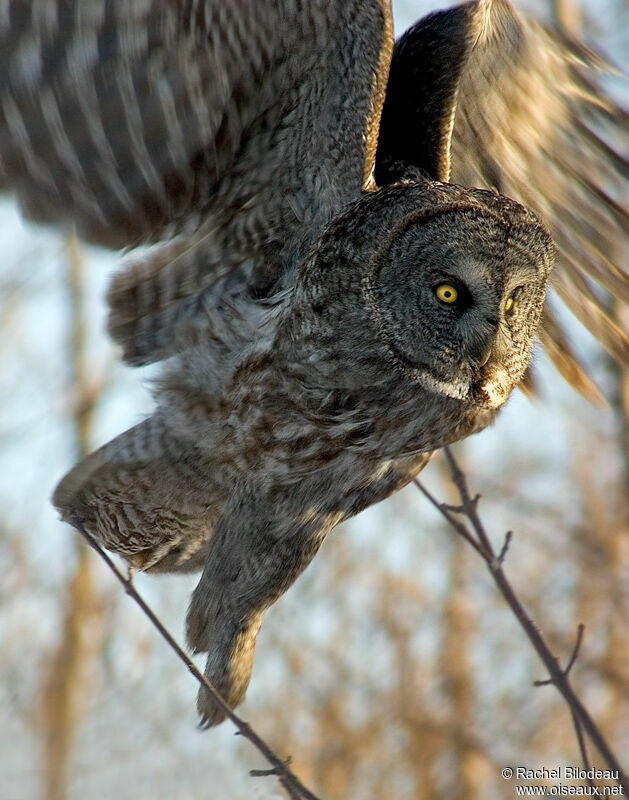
<point>230,649</point>
<point>210,714</point>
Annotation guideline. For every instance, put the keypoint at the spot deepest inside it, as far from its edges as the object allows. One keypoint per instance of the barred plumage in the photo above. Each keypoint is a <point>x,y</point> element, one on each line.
<point>324,335</point>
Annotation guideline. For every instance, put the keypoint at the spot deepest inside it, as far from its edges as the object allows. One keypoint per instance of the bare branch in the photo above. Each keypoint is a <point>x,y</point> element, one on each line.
<point>559,676</point>
<point>505,547</point>
<point>578,729</point>
<point>573,657</point>
<point>263,773</point>
<point>289,781</point>
<point>445,510</point>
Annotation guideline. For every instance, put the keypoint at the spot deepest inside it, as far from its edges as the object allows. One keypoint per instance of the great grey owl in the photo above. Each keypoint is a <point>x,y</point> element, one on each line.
<point>330,309</point>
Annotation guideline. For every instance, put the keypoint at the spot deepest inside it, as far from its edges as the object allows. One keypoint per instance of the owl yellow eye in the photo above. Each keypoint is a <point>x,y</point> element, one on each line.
<point>509,305</point>
<point>446,293</point>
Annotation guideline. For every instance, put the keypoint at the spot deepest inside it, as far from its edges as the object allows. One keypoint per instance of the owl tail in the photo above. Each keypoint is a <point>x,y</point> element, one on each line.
<point>260,545</point>
<point>146,496</point>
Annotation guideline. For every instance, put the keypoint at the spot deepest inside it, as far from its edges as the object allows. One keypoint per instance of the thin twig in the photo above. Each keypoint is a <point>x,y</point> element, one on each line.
<point>573,657</point>
<point>577,648</point>
<point>505,547</point>
<point>578,729</point>
<point>559,676</point>
<point>444,509</point>
<point>289,781</point>
<point>263,773</point>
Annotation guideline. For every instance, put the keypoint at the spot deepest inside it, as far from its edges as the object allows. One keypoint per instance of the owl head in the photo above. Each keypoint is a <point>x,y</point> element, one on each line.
<point>447,282</point>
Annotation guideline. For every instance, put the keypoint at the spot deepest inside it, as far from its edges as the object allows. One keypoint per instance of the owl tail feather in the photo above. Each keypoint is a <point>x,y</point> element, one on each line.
<point>145,496</point>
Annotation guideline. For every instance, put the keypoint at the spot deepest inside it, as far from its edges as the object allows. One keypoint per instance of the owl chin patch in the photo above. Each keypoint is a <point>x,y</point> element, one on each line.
<point>497,386</point>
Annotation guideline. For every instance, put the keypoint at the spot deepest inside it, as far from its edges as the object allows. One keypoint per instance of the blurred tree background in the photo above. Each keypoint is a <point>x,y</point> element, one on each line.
<point>393,668</point>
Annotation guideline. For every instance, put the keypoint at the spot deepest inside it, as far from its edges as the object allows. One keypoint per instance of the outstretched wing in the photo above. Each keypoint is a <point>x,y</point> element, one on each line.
<point>487,98</point>
<point>237,127</point>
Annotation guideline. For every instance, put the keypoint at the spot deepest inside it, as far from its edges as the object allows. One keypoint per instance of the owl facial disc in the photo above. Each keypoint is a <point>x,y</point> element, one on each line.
<point>457,295</point>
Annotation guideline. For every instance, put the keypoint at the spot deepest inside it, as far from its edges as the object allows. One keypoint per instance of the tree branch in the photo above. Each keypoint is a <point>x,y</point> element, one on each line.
<point>289,781</point>
<point>559,676</point>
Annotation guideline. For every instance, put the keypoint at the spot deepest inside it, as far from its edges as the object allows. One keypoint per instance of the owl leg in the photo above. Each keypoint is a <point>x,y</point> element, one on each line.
<point>256,553</point>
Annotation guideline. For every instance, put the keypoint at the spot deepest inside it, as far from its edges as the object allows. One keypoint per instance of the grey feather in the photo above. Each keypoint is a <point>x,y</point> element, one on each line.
<point>486,97</point>
<point>271,430</point>
<point>323,337</point>
<point>240,131</point>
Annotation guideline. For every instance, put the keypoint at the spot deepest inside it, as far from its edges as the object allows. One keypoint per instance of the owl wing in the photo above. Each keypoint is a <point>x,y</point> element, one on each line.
<point>146,495</point>
<point>234,129</point>
<point>487,98</point>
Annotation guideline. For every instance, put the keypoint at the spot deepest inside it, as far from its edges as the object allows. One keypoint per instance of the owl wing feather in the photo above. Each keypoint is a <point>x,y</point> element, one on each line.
<point>235,128</point>
<point>484,97</point>
<point>145,495</point>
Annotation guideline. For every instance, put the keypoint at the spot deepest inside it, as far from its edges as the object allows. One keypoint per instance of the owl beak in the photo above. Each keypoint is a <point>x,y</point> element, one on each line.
<point>480,349</point>
<point>484,355</point>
